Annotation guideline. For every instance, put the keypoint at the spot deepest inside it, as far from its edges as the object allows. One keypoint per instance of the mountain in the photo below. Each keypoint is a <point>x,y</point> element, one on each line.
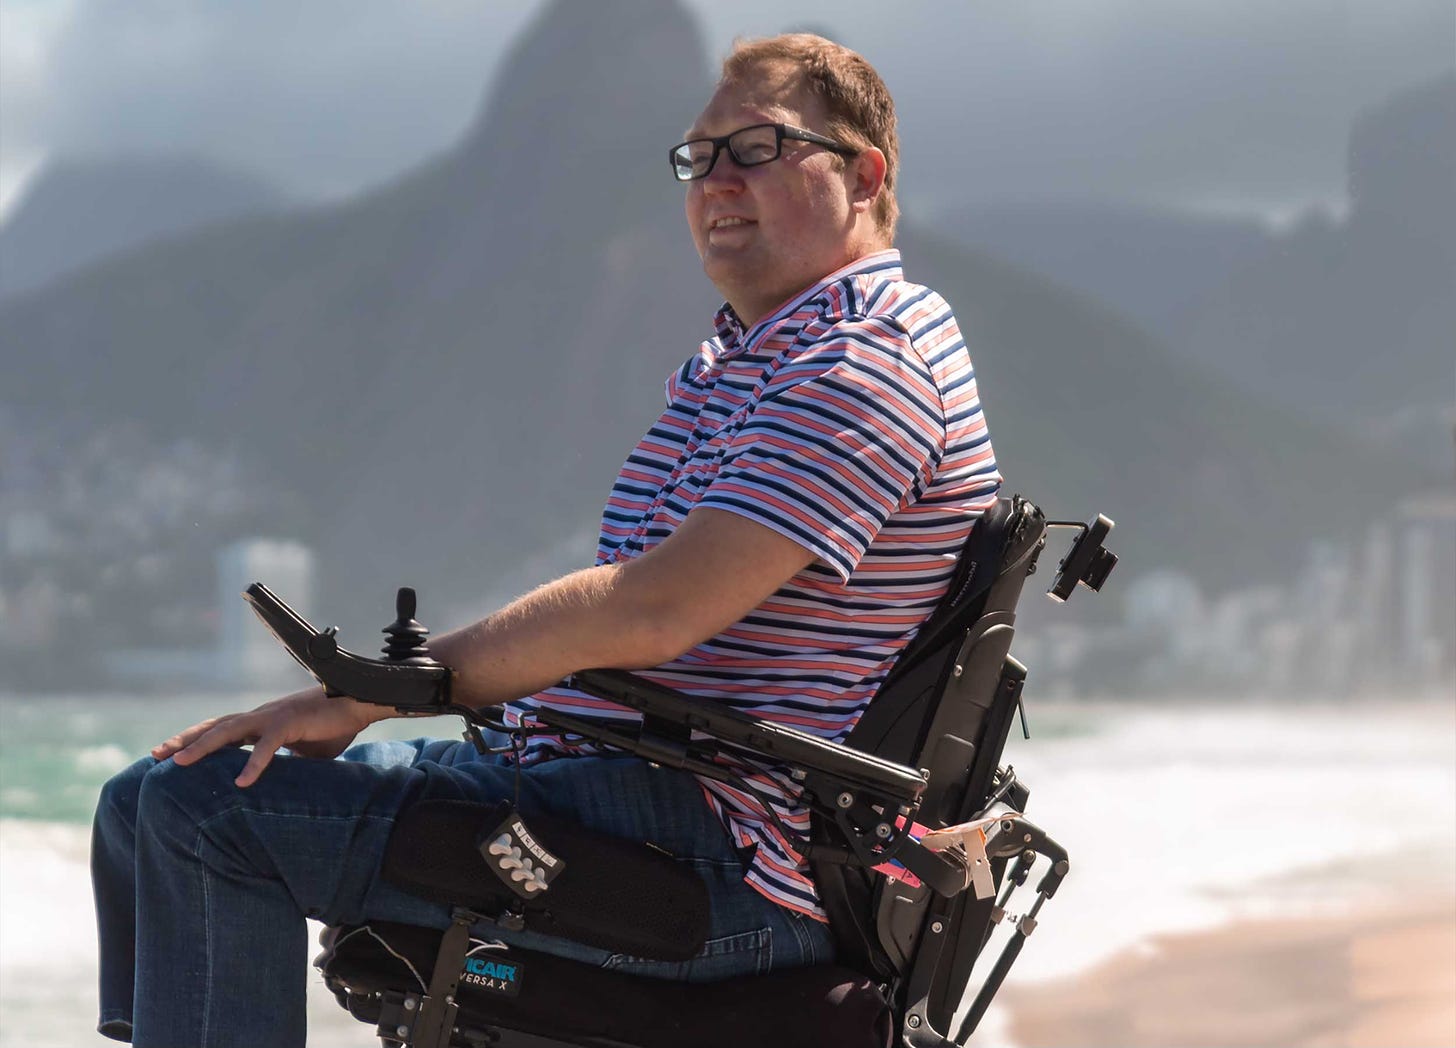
<point>1089,412</point>
<point>446,372</point>
<point>80,210</point>
<point>1151,266</point>
<point>1350,321</point>
<point>1357,318</point>
<point>451,367</point>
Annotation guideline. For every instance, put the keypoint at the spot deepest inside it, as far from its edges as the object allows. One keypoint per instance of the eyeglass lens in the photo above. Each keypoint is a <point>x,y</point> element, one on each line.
<point>748,146</point>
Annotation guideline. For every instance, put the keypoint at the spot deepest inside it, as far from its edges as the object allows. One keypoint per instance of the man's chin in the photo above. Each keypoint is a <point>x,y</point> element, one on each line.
<point>730,268</point>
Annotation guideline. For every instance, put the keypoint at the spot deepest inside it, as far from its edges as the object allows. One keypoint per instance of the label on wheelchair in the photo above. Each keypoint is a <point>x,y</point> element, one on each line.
<point>499,974</point>
<point>519,859</point>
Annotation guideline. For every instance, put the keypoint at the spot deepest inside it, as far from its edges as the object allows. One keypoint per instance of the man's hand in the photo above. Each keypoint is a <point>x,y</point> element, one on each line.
<point>307,722</point>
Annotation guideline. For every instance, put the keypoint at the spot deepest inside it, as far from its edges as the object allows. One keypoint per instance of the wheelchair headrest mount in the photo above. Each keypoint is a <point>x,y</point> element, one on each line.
<point>1088,561</point>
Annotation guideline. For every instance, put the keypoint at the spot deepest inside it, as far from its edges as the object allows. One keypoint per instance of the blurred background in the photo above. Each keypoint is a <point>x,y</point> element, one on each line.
<point>345,297</point>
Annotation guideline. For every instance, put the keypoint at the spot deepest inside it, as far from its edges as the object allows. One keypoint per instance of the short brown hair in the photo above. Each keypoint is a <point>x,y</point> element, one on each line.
<point>861,112</point>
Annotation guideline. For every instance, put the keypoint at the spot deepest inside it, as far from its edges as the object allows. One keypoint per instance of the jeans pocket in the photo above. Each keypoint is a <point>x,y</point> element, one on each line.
<point>744,953</point>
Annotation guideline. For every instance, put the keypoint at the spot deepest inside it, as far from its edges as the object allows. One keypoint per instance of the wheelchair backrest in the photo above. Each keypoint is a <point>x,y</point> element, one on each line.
<point>947,706</point>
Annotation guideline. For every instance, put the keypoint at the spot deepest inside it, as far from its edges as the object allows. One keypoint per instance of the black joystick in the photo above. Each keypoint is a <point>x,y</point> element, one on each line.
<point>406,643</point>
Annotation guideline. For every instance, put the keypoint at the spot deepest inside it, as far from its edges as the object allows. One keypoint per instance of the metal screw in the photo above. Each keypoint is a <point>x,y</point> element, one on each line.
<point>882,831</point>
<point>937,927</point>
<point>409,1004</point>
<point>846,799</point>
<point>402,1031</point>
<point>959,670</point>
<point>913,1022</point>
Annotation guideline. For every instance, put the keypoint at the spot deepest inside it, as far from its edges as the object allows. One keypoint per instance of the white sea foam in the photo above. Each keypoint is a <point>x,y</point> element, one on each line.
<point>1182,819</point>
<point>106,759</point>
<point>19,798</point>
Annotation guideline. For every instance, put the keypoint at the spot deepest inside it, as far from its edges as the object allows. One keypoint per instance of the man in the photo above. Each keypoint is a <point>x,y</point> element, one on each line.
<point>773,541</point>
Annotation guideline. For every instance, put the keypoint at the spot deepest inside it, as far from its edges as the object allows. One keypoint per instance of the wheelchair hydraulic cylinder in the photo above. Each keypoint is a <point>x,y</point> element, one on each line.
<point>997,976</point>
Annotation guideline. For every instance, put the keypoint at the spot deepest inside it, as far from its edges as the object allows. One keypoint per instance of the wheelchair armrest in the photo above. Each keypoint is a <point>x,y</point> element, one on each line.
<point>798,749</point>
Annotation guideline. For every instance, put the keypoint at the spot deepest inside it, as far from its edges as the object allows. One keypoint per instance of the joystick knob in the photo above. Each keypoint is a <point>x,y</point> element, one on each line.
<point>406,637</point>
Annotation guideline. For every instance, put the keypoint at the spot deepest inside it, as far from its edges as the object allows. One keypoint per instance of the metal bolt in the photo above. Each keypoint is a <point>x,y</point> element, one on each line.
<point>959,670</point>
<point>846,799</point>
<point>403,1031</point>
<point>937,927</point>
<point>882,831</point>
<point>913,1022</point>
<point>409,1004</point>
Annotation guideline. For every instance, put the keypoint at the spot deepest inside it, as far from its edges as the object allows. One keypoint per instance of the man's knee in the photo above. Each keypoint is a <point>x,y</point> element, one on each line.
<point>207,777</point>
<point>120,795</point>
<point>194,791</point>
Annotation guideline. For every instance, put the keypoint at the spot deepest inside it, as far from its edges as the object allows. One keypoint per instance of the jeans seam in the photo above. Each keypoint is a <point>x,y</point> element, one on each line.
<point>206,930</point>
<point>806,942</point>
<point>292,815</point>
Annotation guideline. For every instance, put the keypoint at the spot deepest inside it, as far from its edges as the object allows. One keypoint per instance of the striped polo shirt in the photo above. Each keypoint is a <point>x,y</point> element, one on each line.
<point>848,420</point>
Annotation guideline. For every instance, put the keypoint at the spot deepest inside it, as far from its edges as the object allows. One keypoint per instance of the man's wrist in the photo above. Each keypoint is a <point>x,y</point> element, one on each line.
<point>373,712</point>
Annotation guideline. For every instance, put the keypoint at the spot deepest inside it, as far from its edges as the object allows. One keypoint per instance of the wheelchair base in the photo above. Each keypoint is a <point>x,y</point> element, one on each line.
<point>382,973</point>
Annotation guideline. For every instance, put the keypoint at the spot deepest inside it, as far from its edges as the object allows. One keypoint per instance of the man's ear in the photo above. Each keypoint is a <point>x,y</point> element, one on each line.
<point>868,171</point>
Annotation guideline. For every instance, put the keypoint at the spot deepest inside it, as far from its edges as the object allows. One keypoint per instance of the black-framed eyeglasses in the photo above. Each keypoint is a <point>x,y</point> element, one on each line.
<point>748,146</point>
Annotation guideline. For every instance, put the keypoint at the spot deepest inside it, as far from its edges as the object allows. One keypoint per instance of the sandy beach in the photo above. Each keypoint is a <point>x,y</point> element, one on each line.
<point>1380,978</point>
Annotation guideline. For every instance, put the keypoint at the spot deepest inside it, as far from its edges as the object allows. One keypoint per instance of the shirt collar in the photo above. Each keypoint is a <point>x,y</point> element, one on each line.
<point>733,339</point>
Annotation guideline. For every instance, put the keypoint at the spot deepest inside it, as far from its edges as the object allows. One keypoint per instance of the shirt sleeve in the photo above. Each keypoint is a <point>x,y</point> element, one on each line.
<point>844,434</point>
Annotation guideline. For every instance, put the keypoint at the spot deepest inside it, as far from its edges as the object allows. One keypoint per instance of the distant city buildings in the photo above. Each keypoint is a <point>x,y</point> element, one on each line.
<point>1376,616</point>
<point>247,653</point>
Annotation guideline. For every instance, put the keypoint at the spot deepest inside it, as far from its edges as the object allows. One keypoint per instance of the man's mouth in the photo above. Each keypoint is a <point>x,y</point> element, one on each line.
<point>728,223</point>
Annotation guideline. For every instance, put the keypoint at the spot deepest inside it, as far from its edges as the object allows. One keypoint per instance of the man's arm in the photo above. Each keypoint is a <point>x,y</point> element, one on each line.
<point>711,572</point>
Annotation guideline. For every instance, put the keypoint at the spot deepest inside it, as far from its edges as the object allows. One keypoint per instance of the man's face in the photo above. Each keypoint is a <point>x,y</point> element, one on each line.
<point>769,231</point>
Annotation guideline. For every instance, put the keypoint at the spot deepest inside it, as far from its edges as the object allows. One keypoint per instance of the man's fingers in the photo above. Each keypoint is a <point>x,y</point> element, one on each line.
<point>307,719</point>
<point>263,751</point>
<point>227,731</point>
<point>166,748</point>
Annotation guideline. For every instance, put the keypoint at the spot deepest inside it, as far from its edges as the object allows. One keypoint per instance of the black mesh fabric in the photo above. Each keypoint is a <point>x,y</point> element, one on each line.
<point>615,894</point>
<point>804,1007</point>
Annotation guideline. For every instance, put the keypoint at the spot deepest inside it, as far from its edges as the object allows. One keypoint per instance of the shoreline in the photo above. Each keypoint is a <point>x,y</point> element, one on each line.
<point>1373,976</point>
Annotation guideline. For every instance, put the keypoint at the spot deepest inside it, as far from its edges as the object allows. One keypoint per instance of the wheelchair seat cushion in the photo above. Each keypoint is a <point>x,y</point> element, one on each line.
<point>552,997</point>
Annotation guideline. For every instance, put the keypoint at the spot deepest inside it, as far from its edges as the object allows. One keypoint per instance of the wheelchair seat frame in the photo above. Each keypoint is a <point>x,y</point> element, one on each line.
<point>918,837</point>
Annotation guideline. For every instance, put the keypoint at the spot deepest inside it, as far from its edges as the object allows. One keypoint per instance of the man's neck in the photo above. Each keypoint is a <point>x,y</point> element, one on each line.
<point>754,310</point>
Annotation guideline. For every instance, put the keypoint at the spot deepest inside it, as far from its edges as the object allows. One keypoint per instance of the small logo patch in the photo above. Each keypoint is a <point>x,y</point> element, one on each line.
<point>499,975</point>
<point>518,858</point>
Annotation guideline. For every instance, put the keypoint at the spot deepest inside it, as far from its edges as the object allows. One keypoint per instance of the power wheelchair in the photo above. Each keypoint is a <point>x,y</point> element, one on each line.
<point>918,844</point>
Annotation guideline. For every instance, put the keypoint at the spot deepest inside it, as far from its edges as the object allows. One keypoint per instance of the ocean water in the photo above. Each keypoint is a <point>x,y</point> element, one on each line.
<point>1178,815</point>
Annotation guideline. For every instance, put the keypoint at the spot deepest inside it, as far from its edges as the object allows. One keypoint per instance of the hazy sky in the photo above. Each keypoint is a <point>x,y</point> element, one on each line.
<point>1232,105</point>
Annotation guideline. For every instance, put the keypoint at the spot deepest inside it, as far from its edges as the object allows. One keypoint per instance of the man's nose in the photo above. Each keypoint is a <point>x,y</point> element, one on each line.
<point>725,177</point>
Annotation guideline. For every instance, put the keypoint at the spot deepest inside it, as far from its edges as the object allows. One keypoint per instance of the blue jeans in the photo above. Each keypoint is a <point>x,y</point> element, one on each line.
<point>202,888</point>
